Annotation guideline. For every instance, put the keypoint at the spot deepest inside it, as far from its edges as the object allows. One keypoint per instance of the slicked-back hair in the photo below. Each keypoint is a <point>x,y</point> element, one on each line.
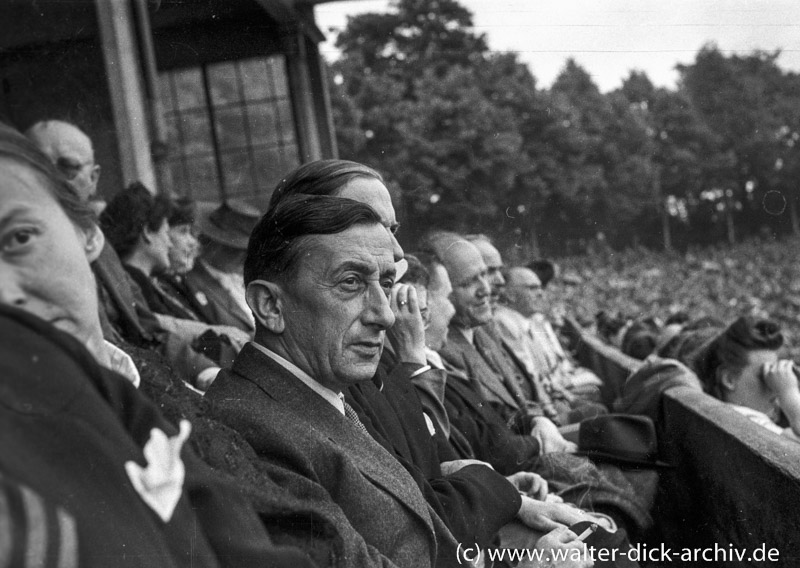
<point>16,147</point>
<point>323,177</point>
<point>277,241</point>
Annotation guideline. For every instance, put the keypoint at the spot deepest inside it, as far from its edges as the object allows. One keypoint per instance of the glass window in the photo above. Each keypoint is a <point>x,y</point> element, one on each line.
<point>230,128</point>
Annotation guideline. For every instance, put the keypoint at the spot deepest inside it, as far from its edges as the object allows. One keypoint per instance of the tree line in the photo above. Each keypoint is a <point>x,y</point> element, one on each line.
<point>467,140</point>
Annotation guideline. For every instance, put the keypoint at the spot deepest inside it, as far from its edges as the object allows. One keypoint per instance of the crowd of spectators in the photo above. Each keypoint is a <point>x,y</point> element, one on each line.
<point>290,387</point>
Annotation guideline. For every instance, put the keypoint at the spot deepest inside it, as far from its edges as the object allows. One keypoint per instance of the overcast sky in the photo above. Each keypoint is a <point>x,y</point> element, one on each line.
<point>608,38</point>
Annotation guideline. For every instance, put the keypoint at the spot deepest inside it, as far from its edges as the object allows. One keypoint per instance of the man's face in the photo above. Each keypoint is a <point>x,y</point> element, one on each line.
<point>494,266</point>
<point>336,307</point>
<point>524,291</point>
<point>72,153</point>
<point>372,192</point>
<point>440,308</point>
<point>471,289</point>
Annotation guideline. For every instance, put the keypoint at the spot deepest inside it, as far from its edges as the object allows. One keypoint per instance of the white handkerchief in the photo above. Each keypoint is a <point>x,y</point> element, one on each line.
<point>160,484</point>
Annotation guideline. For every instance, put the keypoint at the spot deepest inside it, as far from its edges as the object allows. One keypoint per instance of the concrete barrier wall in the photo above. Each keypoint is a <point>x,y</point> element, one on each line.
<point>733,484</point>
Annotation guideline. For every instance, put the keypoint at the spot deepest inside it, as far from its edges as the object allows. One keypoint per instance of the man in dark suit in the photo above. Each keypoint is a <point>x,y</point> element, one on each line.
<point>318,272</point>
<point>215,283</point>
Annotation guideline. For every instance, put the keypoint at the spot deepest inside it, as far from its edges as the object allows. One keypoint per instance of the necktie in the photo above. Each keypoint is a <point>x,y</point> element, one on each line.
<point>352,416</point>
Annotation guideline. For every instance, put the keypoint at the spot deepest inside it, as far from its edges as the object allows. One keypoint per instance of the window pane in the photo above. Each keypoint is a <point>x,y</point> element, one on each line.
<point>277,64</point>
<point>230,128</point>
<point>263,123</point>
<point>197,134</point>
<point>203,182</point>
<point>238,174</point>
<point>165,91</point>
<point>271,165</point>
<point>255,80</point>
<point>177,182</point>
<point>223,84</point>
<point>173,134</point>
<point>286,127</point>
<point>189,89</point>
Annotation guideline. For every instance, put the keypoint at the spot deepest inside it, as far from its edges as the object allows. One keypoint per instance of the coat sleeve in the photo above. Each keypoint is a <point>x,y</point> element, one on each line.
<point>490,438</point>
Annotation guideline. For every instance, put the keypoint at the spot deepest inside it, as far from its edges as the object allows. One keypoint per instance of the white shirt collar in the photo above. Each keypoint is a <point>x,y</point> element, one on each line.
<point>120,362</point>
<point>336,399</point>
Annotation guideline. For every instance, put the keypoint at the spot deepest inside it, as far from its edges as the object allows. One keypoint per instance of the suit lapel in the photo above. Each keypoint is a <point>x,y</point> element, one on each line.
<point>204,283</point>
<point>372,460</point>
<point>485,377</point>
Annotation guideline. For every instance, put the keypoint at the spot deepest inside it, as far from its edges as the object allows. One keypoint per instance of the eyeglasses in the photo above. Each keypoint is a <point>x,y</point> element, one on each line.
<point>71,167</point>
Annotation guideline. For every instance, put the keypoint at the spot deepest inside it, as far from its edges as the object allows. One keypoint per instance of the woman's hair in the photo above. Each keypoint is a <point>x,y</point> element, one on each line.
<point>129,213</point>
<point>730,349</point>
<point>323,177</point>
<point>14,146</point>
<point>183,212</point>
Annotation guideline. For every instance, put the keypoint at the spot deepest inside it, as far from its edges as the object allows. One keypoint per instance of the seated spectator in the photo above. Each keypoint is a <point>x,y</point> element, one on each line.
<point>322,312</point>
<point>741,366</point>
<point>135,224</point>
<point>545,271</point>
<point>473,500</point>
<point>530,336</point>
<point>183,253</point>
<point>641,338</point>
<point>540,382</point>
<point>124,313</point>
<point>78,432</point>
<point>216,281</point>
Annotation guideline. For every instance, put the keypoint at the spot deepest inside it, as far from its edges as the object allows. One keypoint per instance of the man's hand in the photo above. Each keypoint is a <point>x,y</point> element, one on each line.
<point>563,539</point>
<point>545,516</point>
<point>531,484</point>
<point>450,467</point>
<point>550,439</point>
<point>407,335</point>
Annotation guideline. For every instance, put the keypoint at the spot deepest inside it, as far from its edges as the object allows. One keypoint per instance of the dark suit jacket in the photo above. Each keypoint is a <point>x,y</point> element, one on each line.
<point>475,501</point>
<point>216,305</point>
<point>67,429</point>
<point>485,430</point>
<point>305,443</point>
<point>491,375</point>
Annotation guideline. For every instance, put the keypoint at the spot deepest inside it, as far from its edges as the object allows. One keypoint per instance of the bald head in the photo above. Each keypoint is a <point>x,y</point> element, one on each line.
<point>523,290</point>
<point>71,151</point>
<point>468,274</point>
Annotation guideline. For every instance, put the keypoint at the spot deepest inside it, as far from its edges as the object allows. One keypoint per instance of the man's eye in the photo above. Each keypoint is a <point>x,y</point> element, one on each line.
<point>351,283</point>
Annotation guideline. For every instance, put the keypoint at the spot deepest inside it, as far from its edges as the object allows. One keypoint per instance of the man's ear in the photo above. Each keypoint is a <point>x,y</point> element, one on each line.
<point>94,242</point>
<point>266,300</point>
<point>725,379</point>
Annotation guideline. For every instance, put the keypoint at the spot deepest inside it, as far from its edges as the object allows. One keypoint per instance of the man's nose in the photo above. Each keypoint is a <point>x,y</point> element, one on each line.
<point>397,250</point>
<point>484,288</point>
<point>378,311</point>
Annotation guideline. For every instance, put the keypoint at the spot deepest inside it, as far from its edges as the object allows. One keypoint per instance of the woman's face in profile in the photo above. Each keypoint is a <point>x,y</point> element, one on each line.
<point>44,257</point>
<point>747,386</point>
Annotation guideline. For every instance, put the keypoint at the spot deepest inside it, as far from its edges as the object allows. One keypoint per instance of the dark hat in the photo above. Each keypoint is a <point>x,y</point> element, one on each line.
<point>625,439</point>
<point>230,224</point>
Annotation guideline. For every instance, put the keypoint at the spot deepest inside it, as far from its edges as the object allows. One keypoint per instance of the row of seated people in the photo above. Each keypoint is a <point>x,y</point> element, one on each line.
<point>343,434</point>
